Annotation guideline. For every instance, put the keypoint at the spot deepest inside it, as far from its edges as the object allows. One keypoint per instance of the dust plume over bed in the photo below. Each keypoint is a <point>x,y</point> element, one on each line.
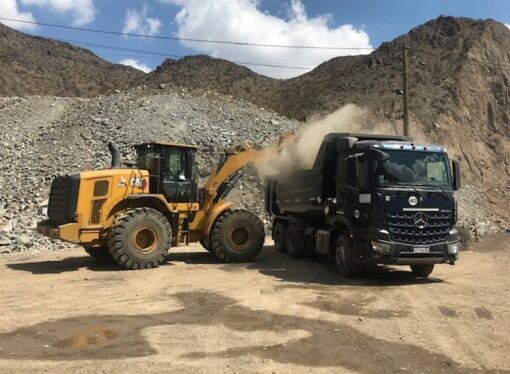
<point>301,153</point>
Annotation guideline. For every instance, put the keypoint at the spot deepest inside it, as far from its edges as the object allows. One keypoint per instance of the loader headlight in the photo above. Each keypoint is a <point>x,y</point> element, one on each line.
<point>453,248</point>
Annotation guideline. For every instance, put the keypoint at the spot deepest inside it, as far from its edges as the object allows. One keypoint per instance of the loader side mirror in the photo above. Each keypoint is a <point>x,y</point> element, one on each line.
<point>352,170</point>
<point>456,175</point>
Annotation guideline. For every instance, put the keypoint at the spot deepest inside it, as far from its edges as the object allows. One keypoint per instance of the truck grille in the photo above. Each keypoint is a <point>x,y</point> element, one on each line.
<point>63,198</point>
<point>402,228</point>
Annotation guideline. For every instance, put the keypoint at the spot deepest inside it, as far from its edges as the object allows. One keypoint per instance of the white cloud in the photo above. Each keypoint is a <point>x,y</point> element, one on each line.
<point>139,22</point>
<point>243,20</point>
<point>507,25</point>
<point>9,9</point>
<point>135,64</point>
<point>82,11</point>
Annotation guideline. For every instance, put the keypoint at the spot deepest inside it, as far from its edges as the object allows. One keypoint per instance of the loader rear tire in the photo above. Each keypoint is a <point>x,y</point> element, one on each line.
<point>99,253</point>
<point>140,239</point>
<point>237,236</point>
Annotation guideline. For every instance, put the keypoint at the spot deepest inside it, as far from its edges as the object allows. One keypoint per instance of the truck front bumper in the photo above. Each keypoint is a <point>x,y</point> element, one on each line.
<point>391,253</point>
<point>382,250</point>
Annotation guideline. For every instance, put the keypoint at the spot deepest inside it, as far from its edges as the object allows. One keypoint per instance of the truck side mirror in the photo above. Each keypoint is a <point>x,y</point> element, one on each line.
<point>352,170</point>
<point>456,175</point>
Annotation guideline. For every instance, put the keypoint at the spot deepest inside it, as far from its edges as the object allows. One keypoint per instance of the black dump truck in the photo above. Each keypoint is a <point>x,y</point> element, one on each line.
<point>369,200</point>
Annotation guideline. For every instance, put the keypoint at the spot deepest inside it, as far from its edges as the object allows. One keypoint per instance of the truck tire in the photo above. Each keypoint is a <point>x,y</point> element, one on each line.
<point>344,257</point>
<point>140,239</point>
<point>99,253</point>
<point>295,242</point>
<point>422,271</point>
<point>279,232</point>
<point>237,236</point>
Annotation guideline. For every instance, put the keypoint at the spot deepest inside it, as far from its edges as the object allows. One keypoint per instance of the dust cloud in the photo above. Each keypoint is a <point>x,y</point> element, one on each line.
<point>301,153</point>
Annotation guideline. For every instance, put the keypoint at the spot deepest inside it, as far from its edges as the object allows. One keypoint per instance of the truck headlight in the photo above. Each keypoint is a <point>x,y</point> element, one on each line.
<point>382,247</point>
<point>453,248</point>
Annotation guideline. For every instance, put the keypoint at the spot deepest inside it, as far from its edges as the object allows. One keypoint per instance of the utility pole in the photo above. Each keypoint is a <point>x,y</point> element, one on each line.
<point>405,96</point>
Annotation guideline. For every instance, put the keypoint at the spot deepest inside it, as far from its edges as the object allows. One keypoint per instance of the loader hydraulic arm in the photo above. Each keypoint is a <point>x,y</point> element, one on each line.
<point>233,165</point>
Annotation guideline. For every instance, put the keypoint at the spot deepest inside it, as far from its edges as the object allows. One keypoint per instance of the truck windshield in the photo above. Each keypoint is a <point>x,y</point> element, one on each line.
<point>413,168</point>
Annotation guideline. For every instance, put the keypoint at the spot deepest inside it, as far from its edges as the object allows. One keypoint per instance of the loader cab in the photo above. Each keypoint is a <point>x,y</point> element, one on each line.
<point>172,170</point>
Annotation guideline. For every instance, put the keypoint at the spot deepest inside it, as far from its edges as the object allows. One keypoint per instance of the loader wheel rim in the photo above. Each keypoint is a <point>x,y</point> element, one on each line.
<point>239,238</point>
<point>145,239</point>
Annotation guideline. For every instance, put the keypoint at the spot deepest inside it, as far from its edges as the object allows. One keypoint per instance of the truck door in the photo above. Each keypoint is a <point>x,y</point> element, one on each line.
<point>177,175</point>
<point>352,181</point>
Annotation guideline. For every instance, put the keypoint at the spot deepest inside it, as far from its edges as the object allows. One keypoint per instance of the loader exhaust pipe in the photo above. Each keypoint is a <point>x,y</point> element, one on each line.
<point>115,155</point>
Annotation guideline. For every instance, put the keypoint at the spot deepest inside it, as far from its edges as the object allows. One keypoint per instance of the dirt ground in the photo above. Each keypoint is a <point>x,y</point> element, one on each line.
<point>62,311</point>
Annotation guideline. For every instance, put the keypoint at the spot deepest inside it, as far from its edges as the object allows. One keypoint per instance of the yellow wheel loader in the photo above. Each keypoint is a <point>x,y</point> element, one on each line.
<point>134,213</point>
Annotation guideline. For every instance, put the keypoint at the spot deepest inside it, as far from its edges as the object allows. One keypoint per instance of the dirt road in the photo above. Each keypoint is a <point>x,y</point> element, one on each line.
<point>62,311</point>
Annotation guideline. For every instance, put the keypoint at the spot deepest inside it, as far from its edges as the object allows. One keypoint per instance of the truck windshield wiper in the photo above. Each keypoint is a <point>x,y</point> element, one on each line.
<point>411,187</point>
<point>443,192</point>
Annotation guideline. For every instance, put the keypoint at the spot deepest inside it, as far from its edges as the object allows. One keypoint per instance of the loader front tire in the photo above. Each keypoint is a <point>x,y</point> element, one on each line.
<point>140,239</point>
<point>204,242</point>
<point>99,253</point>
<point>237,236</point>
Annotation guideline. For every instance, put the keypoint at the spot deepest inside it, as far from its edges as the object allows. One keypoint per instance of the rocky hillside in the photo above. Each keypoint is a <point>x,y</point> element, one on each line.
<point>46,136</point>
<point>37,66</point>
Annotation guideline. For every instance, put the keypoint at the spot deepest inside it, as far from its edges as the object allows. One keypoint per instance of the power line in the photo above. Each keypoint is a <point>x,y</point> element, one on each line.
<point>248,44</point>
<point>159,54</point>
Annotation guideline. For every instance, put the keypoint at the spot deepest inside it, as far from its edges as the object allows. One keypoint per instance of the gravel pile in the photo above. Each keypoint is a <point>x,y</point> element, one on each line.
<point>47,136</point>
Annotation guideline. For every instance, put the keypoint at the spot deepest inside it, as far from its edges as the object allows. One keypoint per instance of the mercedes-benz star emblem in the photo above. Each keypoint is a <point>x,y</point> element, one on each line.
<point>421,220</point>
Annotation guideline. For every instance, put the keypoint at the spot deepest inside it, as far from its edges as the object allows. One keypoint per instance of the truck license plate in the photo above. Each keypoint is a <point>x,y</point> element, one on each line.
<point>421,249</point>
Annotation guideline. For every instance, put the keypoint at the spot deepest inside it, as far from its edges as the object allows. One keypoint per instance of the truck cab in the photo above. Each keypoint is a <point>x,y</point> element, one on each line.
<point>370,199</point>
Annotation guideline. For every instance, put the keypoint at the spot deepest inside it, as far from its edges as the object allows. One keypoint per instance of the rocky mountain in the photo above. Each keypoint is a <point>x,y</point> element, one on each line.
<point>37,66</point>
<point>459,73</point>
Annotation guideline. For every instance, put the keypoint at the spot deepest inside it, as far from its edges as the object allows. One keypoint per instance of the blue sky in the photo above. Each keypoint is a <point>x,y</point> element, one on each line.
<point>361,23</point>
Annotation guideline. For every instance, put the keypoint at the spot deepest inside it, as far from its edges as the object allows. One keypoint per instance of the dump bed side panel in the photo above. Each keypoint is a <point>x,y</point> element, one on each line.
<point>296,195</point>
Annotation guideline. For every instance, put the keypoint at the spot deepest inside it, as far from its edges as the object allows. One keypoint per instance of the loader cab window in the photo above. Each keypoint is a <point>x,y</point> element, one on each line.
<point>177,164</point>
<point>178,180</point>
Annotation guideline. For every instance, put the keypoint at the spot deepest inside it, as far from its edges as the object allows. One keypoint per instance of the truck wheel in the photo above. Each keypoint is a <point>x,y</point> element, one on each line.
<point>237,236</point>
<point>140,239</point>
<point>344,257</point>
<point>422,271</point>
<point>279,231</point>
<point>295,242</point>
<point>99,253</point>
